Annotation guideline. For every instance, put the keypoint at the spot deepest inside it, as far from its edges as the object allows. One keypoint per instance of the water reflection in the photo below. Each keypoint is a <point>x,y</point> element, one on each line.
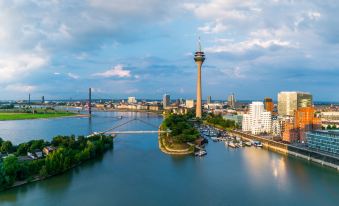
<point>90,129</point>
<point>260,165</point>
<point>52,187</point>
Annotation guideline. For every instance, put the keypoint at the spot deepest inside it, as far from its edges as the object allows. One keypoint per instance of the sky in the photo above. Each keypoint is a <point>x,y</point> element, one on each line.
<point>144,48</point>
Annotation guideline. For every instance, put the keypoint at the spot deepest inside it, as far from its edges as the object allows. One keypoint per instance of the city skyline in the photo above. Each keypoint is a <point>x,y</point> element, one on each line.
<point>251,52</point>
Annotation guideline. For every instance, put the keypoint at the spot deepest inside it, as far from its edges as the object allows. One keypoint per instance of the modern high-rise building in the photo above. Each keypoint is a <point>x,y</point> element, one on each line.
<point>306,121</point>
<point>288,102</point>
<point>166,100</point>
<point>303,121</point>
<point>209,100</point>
<point>257,121</point>
<point>199,59</point>
<point>269,105</point>
<point>132,100</point>
<point>43,99</point>
<point>231,100</point>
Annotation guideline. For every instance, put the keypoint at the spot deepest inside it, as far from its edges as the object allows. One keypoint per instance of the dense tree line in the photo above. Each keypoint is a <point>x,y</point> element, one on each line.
<point>219,120</point>
<point>182,130</point>
<point>70,151</point>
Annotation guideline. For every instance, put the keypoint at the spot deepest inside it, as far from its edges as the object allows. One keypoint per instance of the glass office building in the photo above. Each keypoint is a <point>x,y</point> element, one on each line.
<point>327,141</point>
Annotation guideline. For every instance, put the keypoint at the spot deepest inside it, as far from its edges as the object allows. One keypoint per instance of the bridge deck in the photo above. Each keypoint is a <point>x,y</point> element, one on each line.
<point>136,132</point>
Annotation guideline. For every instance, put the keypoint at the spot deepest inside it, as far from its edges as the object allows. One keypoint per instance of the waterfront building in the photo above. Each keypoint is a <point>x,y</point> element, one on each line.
<point>326,141</point>
<point>199,59</point>
<point>166,100</point>
<point>43,99</point>
<point>290,133</point>
<point>190,103</point>
<point>277,126</point>
<point>209,100</point>
<point>288,102</point>
<point>266,122</point>
<point>132,100</point>
<point>269,105</point>
<point>258,120</point>
<point>246,123</point>
<point>154,107</point>
<point>231,100</point>
<point>303,120</point>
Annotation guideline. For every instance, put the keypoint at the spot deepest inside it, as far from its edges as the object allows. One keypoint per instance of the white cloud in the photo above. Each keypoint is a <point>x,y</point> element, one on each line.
<point>73,76</point>
<point>19,65</point>
<point>221,9</point>
<point>117,71</point>
<point>243,46</point>
<point>314,15</point>
<point>20,88</point>
<point>235,72</point>
<point>216,27</point>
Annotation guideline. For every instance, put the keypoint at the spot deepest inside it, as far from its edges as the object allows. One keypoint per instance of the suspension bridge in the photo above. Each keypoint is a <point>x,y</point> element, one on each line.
<point>113,130</point>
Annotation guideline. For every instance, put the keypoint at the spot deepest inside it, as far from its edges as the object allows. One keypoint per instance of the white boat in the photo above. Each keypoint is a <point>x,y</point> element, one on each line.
<point>257,143</point>
<point>200,153</point>
<point>231,144</point>
<point>226,143</point>
<point>248,144</point>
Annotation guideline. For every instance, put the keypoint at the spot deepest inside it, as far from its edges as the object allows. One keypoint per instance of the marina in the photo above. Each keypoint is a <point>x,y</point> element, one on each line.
<point>217,135</point>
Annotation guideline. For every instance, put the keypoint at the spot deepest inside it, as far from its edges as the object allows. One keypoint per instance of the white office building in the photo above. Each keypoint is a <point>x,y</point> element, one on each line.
<point>132,100</point>
<point>257,121</point>
<point>189,103</point>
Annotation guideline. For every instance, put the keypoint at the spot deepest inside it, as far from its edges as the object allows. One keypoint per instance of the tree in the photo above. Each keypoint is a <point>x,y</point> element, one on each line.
<point>36,144</point>
<point>22,149</point>
<point>10,167</point>
<point>6,146</point>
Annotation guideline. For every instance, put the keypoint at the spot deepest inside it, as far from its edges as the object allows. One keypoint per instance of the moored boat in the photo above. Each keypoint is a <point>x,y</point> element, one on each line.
<point>231,144</point>
<point>200,153</point>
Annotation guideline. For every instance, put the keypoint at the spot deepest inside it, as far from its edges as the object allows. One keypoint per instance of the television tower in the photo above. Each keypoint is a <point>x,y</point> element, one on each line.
<point>90,101</point>
<point>199,59</point>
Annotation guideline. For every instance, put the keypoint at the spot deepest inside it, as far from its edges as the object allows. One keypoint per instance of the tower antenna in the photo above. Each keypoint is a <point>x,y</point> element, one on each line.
<point>199,44</point>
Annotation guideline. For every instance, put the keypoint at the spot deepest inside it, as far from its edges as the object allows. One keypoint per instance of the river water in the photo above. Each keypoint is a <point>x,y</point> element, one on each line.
<point>135,172</point>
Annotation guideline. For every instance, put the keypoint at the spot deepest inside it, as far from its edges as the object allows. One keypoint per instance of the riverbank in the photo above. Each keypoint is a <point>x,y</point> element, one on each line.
<point>181,132</point>
<point>37,160</point>
<point>25,116</point>
<point>282,148</point>
<point>38,178</point>
<point>170,150</point>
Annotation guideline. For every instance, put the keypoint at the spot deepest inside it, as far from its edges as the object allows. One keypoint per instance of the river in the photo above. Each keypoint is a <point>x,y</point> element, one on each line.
<point>135,172</point>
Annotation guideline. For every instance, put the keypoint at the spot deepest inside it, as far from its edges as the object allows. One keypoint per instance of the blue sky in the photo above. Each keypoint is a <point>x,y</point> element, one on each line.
<point>120,48</point>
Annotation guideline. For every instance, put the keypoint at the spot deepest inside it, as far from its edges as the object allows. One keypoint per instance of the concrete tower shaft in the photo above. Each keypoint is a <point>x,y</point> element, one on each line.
<point>199,59</point>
